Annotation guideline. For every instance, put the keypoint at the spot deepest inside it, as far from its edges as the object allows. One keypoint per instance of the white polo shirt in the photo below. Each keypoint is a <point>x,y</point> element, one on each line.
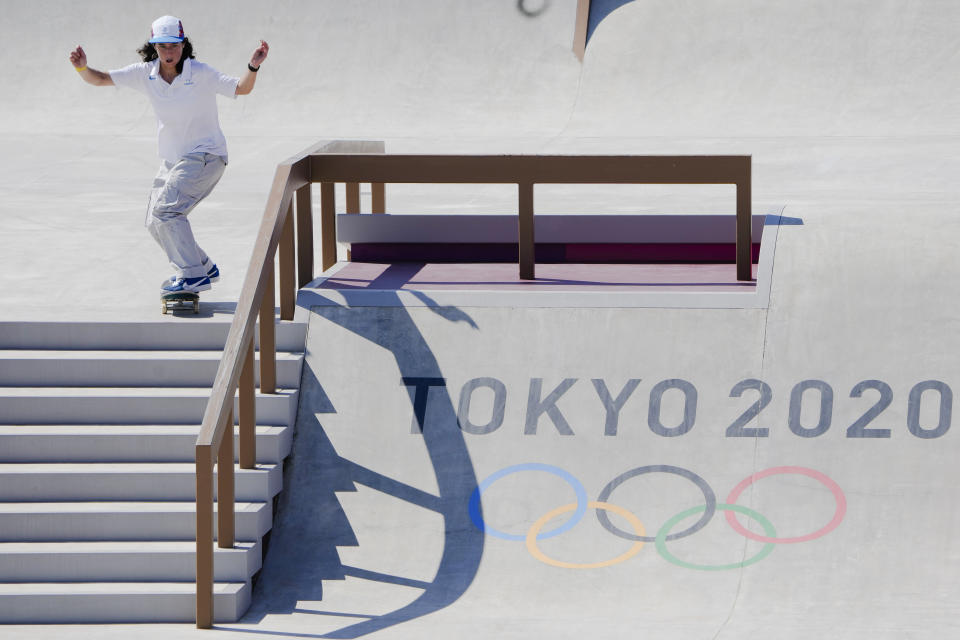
<point>186,109</point>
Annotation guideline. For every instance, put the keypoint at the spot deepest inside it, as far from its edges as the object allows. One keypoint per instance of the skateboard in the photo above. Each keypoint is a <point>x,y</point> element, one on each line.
<point>179,302</point>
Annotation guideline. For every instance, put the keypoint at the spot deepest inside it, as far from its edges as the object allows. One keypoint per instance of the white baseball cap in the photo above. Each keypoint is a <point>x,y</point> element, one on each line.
<point>166,29</point>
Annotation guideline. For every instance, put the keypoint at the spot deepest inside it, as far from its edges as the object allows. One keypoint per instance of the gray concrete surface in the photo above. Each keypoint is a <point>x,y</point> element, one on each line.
<point>848,102</point>
<point>850,112</point>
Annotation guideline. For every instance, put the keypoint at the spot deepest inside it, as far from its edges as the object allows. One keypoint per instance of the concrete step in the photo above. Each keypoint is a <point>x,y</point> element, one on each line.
<point>108,521</point>
<point>121,561</point>
<point>98,425</point>
<point>128,405</point>
<point>140,368</point>
<point>116,602</point>
<point>159,335</point>
<point>124,443</point>
<point>62,482</point>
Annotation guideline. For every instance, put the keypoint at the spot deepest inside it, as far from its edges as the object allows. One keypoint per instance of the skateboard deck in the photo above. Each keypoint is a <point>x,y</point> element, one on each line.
<point>179,302</point>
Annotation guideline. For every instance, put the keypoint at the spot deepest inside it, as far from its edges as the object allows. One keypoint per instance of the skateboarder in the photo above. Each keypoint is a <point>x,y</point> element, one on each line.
<point>192,148</point>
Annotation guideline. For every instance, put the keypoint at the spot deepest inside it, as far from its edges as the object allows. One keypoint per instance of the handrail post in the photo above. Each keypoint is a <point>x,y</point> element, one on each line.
<point>744,225</point>
<point>328,226</point>
<point>378,198</point>
<point>286,257</point>
<point>353,197</point>
<point>225,488</point>
<point>204,553</point>
<point>526,231</point>
<point>268,342</point>
<point>248,412</point>
<point>304,236</point>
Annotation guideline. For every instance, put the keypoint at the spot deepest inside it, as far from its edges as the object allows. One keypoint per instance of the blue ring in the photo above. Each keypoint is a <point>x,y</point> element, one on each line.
<point>477,517</point>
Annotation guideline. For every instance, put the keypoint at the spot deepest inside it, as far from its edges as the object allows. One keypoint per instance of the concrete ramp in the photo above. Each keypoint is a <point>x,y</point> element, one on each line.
<point>512,471</point>
<point>791,465</point>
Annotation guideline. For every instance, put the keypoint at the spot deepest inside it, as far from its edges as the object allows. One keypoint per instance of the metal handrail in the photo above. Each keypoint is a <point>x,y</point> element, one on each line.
<point>354,162</point>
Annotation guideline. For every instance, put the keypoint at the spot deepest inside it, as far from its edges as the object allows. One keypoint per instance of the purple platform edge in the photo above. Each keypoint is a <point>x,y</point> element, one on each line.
<point>550,253</point>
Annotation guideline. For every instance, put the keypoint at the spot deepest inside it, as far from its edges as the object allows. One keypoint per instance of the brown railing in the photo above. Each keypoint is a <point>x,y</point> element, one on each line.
<point>353,163</point>
<point>291,183</point>
<point>526,171</point>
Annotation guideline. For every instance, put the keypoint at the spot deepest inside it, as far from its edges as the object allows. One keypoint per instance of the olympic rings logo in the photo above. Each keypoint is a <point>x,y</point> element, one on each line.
<point>666,533</point>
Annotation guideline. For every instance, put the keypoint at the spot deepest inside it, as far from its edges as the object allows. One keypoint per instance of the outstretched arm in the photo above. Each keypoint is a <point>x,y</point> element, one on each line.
<point>97,78</point>
<point>250,77</point>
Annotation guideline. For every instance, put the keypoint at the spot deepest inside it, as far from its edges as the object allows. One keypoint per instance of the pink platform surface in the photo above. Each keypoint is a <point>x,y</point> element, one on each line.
<point>549,277</point>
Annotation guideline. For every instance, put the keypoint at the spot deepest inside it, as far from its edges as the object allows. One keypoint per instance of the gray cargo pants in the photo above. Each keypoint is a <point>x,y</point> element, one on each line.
<point>177,189</point>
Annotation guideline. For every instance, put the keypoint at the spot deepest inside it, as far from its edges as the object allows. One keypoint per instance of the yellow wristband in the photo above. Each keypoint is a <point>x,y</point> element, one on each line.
<point>80,69</point>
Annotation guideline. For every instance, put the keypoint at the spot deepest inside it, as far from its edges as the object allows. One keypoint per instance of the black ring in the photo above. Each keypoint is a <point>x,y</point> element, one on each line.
<point>663,468</point>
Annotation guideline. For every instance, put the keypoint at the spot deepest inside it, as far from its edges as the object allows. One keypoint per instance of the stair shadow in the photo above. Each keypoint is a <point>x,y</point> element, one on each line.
<point>310,521</point>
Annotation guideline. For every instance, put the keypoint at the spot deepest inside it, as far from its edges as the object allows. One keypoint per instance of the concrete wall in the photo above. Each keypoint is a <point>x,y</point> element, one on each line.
<point>387,68</point>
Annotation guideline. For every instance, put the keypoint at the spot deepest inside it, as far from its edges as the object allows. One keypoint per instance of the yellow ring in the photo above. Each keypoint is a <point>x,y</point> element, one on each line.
<point>606,506</point>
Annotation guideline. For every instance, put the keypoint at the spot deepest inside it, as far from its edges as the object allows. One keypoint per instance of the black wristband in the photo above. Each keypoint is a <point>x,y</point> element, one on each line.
<point>252,68</point>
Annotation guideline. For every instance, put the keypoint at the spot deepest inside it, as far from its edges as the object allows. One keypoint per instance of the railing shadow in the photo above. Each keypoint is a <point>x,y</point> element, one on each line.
<point>311,522</point>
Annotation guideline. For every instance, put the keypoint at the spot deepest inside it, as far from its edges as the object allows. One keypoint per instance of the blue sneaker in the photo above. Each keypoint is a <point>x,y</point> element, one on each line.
<point>186,285</point>
<point>213,273</point>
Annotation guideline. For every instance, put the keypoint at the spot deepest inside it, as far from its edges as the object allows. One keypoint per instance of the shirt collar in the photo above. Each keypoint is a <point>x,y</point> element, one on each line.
<point>186,75</point>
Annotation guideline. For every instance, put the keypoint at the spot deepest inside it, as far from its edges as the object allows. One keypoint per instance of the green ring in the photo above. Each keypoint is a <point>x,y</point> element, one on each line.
<point>661,541</point>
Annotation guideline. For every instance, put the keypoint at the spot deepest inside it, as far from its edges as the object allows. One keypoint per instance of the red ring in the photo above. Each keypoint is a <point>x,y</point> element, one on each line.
<point>838,495</point>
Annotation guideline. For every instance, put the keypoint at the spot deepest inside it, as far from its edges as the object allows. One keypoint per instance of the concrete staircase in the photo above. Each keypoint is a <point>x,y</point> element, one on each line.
<point>97,429</point>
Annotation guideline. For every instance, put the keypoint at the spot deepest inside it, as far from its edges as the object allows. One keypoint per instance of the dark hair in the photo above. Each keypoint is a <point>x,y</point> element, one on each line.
<point>149,52</point>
